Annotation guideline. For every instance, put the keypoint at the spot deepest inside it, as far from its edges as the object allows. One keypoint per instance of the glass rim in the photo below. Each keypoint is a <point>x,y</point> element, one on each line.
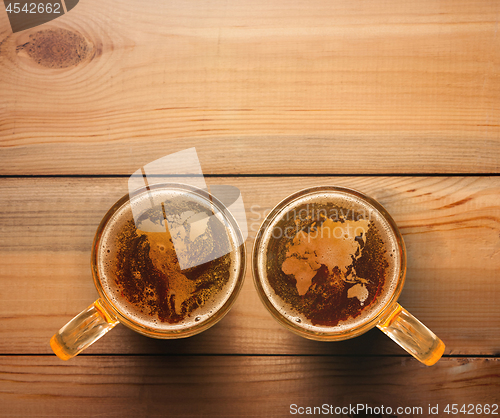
<point>177,333</point>
<point>384,310</point>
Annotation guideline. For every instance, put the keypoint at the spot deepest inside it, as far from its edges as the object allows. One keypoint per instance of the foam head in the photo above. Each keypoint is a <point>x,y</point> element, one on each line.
<point>157,284</point>
<point>327,261</point>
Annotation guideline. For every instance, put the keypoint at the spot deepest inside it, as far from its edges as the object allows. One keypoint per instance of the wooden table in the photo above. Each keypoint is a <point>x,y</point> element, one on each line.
<point>398,99</point>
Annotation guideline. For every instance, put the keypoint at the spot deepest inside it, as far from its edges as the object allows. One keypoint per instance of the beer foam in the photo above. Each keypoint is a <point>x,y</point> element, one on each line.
<point>351,204</point>
<point>107,254</point>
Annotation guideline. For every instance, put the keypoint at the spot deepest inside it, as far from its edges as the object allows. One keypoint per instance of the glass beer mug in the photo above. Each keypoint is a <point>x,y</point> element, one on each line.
<point>329,263</point>
<point>168,261</point>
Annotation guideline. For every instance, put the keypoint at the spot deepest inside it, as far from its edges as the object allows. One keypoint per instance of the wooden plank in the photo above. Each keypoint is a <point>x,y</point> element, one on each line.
<point>238,386</point>
<point>450,226</point>
<point>258,87</point>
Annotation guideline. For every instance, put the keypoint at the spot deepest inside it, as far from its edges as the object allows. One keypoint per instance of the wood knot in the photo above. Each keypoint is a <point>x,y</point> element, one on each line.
<point>57,48</point>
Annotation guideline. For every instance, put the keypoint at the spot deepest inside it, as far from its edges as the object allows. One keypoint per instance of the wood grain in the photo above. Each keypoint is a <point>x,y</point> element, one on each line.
<point>258,87</point>
<point>451,226</point>
<point>263,87</point>
<point>237,386</point>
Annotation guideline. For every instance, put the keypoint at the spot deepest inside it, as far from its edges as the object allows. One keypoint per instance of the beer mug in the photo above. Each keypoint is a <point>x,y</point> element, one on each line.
<point>168,261</point>
<point>329,264</point>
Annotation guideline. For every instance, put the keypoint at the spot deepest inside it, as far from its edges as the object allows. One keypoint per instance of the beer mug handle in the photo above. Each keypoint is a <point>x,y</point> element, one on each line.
<point>413,336</point>
<point>83,330</point>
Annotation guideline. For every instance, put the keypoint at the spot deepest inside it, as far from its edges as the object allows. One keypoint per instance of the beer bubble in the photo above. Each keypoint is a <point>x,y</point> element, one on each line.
<point>197,319</point>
